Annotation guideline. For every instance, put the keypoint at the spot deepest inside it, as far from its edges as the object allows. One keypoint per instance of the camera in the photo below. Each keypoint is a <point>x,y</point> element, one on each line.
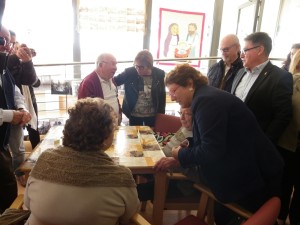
<point>33,52</point>
<point>2,41</point>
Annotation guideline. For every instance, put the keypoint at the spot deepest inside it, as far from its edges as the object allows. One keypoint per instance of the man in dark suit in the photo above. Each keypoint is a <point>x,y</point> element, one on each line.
<point>265,88</point>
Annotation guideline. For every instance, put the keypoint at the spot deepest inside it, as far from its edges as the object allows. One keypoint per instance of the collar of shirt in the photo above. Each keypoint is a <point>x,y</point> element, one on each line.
<point>258,69</point>
<point>108,82</point>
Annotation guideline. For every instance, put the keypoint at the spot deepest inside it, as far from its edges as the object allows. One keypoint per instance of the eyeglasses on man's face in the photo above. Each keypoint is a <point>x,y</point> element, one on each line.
<point>226,49</point>
<point>244,51</point>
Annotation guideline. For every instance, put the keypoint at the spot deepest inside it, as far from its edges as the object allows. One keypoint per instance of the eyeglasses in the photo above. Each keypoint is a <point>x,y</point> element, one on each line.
<point>184,113</point>
<point>110,62</point>
<point>248,49</point>
<point>226,49</point>
<point>172,92</point>
<point>139,67</point>
<point>5,43</point>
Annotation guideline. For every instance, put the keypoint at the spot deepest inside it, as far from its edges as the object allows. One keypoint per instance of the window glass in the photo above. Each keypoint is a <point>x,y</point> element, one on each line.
<point>287,32</point>
<point>43,25</point>
<point>111,26</point>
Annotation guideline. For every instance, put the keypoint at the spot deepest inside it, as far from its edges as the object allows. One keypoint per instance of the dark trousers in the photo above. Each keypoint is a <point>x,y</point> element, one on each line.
<point>252,202</point>
<point>224,216</point>
<point>142,121</point>
<point>290,198</point>
<point>34,136</point>
<point>8,184</point>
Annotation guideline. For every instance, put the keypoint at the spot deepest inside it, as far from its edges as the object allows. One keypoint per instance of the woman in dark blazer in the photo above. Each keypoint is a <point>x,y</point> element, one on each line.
<point>235,158</point>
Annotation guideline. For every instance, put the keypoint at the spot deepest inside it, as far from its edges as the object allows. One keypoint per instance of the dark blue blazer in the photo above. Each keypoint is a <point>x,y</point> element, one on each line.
<point>232,152</point>
<point>270,99</point>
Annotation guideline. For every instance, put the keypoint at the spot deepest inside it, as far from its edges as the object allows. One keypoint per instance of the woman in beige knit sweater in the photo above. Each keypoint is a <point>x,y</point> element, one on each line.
<point>77,183</point>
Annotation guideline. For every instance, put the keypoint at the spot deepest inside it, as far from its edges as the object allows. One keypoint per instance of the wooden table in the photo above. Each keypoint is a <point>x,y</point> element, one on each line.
<point>134,147</point>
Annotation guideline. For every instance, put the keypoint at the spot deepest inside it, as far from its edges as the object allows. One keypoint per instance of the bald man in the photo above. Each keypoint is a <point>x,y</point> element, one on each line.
<point>221,74</point>
<point>100,84</point>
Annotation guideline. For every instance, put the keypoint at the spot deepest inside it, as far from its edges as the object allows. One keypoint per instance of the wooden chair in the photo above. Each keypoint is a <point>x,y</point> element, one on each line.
<point>181,203</point>
<point>18,202</point>
<point>137,219</point>
<point>266,215</point>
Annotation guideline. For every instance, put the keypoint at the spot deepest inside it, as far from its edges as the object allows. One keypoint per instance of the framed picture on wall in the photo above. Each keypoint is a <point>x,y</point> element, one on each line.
<point>180,35</point>
<point>59,87</point>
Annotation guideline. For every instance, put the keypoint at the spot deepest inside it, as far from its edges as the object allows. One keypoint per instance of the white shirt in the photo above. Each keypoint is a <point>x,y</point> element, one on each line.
<point>6,115</point>
<point>248,80</point>
<point>110,92</point>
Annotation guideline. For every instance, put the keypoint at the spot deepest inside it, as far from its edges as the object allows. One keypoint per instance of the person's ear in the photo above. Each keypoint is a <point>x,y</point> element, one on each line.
<point>190,84</point>
<point>261,50</point>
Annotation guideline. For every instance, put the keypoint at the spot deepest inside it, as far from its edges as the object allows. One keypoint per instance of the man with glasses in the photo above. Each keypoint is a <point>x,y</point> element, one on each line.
<point>21,67</point>
<point>10,100</point>
<point>265,88</point>
<point>222,73</point>
<point>100,84</point>
<point>145,92</point>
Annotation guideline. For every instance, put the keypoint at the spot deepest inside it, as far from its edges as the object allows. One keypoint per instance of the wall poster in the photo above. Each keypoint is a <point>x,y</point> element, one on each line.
<point>180,35</point>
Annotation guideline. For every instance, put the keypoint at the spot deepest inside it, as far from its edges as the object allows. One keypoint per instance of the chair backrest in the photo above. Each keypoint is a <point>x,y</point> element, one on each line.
<point>167,123</point>
<point>267,214</point>
<point>18,202</point>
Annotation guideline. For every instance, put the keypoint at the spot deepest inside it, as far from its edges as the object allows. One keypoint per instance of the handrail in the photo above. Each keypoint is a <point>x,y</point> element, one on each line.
<point>51,103</point>
<point>155,60</point>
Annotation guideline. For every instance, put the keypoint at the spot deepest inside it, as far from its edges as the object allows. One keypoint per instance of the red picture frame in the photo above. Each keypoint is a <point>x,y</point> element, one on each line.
<point>180,35</point>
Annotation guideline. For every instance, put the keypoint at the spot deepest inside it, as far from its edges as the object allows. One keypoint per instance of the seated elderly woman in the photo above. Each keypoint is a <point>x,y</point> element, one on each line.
<point>78,183</point>
<point>180,137</point>
<point>176,188</point>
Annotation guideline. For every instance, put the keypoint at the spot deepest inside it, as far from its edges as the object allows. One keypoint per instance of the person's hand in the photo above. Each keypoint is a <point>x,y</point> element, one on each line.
<point>24,53</point>
<point>17,117</point>
<point>25,118</point>
<point>175,151</point>
<point>166,163</point>
<point>21,117</point>
<point>184,143</point>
